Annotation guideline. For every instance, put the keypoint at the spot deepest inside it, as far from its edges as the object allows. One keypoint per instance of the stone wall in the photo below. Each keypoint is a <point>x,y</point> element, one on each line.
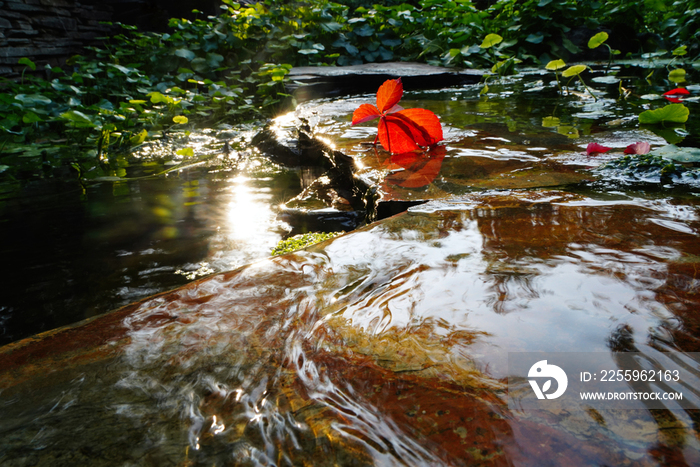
<point>48,31</point>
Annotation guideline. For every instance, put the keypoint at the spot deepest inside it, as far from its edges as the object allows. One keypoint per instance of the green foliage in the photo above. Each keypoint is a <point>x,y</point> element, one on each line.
<point>646,167</point>
<point>597,40</point>
<point>300,241</point>
<point>671,113</point>
<point>232,67</point>
<point>575,70</point>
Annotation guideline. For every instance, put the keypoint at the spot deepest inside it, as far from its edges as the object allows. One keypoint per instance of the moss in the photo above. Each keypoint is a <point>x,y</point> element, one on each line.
<point>300,241</point>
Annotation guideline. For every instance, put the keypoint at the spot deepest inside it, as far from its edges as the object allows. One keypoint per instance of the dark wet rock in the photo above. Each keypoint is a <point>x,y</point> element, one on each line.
<point>337,199</point>
<point>312,82</point>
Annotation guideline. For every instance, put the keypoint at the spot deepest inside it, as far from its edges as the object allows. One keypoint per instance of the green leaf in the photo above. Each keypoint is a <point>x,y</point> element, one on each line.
<point>680,51</point>
<point>200,65</point>
<point>214,60</point>
<point>138,138</point>
<point>180,119</point>
<point>677,75</point>
<point>187,152</point>
<point>535,38</point>
<point>31,117</point>
<point>550,122</point>
<point>4,168</point>
<point>490,41</point>
<point>555,65</point>
<point>573,71</point>
<point>597,40</point>
<point>673,113</point>
<point>158,98</point>
<point>78,119</point>
<point>484,90</point>
<point>677,154</point>
<point>185,53</point>
<point>32,99</point>
<point>25,61</point>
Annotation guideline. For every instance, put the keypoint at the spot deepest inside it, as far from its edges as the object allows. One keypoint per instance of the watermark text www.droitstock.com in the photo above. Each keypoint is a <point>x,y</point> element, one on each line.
<point>604,380</point>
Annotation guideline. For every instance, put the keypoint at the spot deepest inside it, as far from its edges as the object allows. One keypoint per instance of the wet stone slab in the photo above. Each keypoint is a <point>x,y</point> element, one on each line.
<point>494,143</point>
<point>386,345</point>
<point>310,82</point>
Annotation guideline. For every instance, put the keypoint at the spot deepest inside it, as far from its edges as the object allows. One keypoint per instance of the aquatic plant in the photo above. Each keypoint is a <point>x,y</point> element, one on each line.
<point>555,66</point>
<point>671,113</point>
<point>232,67</point>
<point>300,241</point>
<point>575,71</point>
<point>400,130</point>
<point>598,40</point>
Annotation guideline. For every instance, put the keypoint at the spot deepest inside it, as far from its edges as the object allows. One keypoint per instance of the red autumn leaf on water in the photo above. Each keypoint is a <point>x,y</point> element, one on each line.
<point>595,148</point>
<point>676,95</point>
<point>400,130</point>
<point>638,148</point>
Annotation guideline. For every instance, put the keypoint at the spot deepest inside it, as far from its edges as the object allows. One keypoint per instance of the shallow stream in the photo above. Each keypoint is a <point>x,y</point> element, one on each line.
<point>388,345</point>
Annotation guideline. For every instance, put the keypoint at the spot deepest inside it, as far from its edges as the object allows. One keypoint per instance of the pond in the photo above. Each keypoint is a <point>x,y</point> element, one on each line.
<point>390,344</point>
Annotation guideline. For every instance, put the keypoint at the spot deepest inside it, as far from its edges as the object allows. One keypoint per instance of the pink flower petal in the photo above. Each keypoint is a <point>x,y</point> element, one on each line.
<point>594,148</point>
<point>638,148</point>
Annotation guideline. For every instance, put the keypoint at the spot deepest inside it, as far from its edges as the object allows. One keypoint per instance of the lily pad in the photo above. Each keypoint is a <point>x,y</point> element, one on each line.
<point>597,40</point>
<point>674,153</point>
<point>673,113</point>
<point>556,65</point>
<point>550,122</point>
<point>677,75</point>
<point>606,79</point>
<point>573,71</point>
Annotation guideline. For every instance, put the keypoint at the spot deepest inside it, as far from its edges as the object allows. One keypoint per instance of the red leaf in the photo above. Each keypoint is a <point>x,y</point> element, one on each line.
<point>364,113</point>
<point>638,148</point>
<point>594,148</point>
<point>400,130</point>
<point>420,169</point>
<point>389,94</point>
<point>396,135</point>
<point>408,129</point>
<point>675,95</point>
<point>677,92</point>
<point>427,124</point>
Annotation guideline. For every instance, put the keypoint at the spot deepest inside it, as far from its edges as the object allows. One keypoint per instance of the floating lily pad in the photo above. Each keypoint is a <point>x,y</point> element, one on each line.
<point>673,113</point>
<point>606,79</point>
<point>677,75</point>
<point>550,122</point>
<point>674,153</point>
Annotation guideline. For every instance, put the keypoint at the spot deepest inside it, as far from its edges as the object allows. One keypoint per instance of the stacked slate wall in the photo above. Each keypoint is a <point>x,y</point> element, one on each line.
<point>48,31</point>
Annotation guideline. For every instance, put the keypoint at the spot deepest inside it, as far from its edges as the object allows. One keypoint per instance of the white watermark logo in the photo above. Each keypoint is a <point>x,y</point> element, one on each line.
<point>542,370</point>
